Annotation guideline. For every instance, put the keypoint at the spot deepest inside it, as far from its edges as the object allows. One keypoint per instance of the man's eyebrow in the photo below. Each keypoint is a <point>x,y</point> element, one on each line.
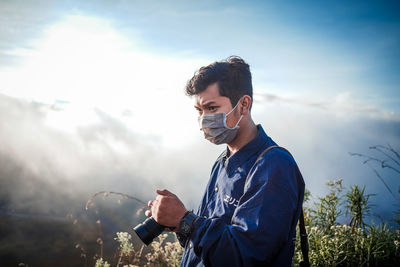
<point>207,104</point>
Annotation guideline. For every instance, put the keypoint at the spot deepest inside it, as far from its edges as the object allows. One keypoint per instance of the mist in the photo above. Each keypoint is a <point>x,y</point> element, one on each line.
<point>44,168</point>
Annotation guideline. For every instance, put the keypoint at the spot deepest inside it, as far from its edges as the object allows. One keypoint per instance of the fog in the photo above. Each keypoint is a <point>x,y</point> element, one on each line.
<point>45,169</point>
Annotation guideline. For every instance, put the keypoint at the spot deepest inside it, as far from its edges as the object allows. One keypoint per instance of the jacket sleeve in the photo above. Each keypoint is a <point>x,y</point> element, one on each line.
<point>261,223</point>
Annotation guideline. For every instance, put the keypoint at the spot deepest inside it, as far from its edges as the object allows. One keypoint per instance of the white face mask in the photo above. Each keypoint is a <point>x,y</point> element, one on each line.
<point>215,129</point>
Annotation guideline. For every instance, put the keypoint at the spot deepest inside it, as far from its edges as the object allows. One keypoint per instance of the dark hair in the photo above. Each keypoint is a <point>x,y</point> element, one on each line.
<point>232,75</point>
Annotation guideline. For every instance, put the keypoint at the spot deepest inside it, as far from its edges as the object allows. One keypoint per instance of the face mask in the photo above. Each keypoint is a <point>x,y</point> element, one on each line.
<point>215,129</point>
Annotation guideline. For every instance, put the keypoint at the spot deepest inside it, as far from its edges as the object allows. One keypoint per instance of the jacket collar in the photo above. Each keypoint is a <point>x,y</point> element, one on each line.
<point>255,146</point>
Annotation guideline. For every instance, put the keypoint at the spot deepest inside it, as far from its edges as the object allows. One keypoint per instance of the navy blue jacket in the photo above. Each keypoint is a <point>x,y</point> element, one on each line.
<point>248,214</point>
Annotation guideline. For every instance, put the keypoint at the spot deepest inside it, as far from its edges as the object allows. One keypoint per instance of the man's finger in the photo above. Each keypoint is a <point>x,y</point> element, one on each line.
<point>147,213</point>
<point>150,203</point>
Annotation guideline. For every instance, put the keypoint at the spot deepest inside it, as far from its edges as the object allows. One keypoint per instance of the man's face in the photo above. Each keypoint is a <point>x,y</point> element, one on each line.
<point>210,101</point>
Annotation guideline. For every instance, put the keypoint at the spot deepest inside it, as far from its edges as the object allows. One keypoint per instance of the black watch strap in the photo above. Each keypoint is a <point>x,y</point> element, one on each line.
<point>186,224</point>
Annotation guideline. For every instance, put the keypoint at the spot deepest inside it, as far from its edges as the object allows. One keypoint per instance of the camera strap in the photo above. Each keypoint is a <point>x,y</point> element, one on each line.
<point>303,232</point>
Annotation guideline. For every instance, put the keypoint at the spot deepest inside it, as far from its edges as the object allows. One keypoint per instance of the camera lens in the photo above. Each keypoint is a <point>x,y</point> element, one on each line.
<point>148,230</point>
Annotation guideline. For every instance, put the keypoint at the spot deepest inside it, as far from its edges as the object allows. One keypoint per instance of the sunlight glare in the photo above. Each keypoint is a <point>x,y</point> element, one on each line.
<point>85,61</point>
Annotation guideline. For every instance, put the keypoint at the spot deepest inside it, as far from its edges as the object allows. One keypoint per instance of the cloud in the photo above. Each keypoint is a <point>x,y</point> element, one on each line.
<point>342,103</point>
<point>321,140</point>
<point>40,163</point>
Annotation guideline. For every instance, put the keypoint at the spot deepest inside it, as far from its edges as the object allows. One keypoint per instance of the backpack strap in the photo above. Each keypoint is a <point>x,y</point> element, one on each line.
<point>303,241</point>
<point>303,232</point>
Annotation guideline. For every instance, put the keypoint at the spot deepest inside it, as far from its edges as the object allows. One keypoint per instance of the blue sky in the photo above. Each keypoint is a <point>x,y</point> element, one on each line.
<point>101,82</point>
<point>356,41</point>
<point>299,47</point>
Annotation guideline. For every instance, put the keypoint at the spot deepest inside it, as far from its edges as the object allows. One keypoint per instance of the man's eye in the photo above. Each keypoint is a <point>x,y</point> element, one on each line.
<point>199,111</point>
<point>212,108</point>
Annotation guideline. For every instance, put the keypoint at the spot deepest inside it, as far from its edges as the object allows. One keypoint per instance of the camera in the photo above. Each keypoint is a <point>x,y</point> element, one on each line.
<point>148,230</point>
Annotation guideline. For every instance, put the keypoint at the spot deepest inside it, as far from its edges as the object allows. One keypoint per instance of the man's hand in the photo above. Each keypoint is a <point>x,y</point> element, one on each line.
<point>166,209</point>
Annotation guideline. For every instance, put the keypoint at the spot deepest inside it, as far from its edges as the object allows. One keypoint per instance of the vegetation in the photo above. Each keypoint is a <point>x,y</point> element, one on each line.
<point>354,244</point>
<point>161,253</point>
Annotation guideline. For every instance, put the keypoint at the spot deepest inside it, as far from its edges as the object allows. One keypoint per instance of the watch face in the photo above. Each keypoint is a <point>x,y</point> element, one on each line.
<point>185,227</point>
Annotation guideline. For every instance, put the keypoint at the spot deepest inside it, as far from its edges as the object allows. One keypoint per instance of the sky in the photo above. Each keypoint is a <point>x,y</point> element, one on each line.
<point>92,93</point>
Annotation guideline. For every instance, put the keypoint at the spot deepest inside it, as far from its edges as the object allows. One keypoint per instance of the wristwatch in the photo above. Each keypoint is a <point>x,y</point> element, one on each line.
<point>186,224</point>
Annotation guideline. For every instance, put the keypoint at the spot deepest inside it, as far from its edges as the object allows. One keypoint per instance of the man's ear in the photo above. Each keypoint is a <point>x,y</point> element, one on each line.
<point>246,104</point>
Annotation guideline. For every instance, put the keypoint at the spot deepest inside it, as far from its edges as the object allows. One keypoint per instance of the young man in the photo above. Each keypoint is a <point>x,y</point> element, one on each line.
<point>250,208</point>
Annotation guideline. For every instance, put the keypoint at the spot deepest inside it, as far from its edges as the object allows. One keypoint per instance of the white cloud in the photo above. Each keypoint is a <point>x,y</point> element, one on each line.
<point>343,104</point>
<point>106,154</point>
